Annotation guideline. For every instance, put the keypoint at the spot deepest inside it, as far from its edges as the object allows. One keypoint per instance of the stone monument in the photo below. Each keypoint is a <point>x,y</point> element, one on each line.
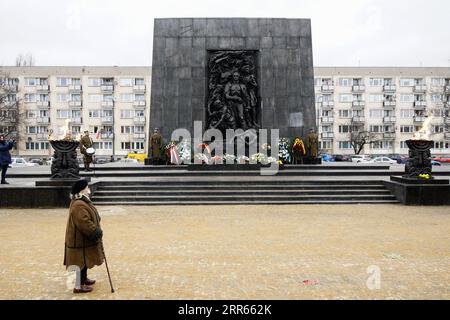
<point>232,73</point>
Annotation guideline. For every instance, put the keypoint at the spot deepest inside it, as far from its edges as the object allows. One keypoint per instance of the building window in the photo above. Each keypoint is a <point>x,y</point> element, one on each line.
<point>126,82</point>
<point>377,98</point>
<point>30,82</point>
<point>62,114</point>
<point>406,113</point>
<point>94,82</point>
<point>437,82</point>
<point>30,97</point>
<point>94,113</point>
<point>345,97</point>
<point>438,129</point>
<point>126,97</point>
<point>345,82</point>
<point>406,82</point>
<point>345,145</point>
<point>406,98</point>
<point>376,113</point>
<point>345,113</point>
<point>406,129</point>
<point>95,98</point>
<point>139,81</point>
<point>376,82</point>
<point>63,82</point>
<point>344,129</point>
<point>126,114</point>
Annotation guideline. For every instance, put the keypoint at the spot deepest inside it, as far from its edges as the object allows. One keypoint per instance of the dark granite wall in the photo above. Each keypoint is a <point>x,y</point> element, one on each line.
<point>285,70</point>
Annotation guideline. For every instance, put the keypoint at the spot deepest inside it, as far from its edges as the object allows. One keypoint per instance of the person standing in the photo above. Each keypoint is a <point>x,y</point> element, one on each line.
<point>313,144</point>
<point>5,156</point>
<point>83,242</point>
<point>86,143</point>
<point>156,143</point>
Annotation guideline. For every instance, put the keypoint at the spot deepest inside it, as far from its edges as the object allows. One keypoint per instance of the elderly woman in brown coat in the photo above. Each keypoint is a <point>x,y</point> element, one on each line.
<point>83,246</point>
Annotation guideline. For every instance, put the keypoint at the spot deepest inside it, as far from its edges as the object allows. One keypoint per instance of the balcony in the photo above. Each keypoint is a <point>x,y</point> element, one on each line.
<point>107,119</point>
<point>107,87</point>
<point>389,88</point>
<point>447,89</point>
<point>419,118</point>
<point>76,121</point>
<point>358,119</point>
<point>139,135</point>
<point>42,136</point>
<point>359,103</point>
<point>327,88</point>
<point>139,87</point>
<point>447,135</point>
<point>139,120</point>
<point>327,119</point>
<point>139,104</point>
<point>12,88</point>
<point>42,87</point>
<point>389,104</point>
<point>327,135</point>
<point>447,120</point>
<point>43,120</point>
<point>359,88</point>
<point>420,88</point>
<point>75,87</point>
<point>43,104</point>
<point>389,119</point>
<point>107,135</point>
<point>389,135</point>
<point>107,103</point>
<point>75,104</point>
<point>420,105</point>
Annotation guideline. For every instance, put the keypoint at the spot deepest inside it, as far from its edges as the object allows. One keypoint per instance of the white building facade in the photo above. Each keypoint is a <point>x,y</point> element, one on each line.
<point>113,103</point>
<point>392,103</point>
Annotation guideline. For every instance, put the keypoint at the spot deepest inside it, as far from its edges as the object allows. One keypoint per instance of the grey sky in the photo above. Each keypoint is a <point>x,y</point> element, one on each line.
<point>345,32</point>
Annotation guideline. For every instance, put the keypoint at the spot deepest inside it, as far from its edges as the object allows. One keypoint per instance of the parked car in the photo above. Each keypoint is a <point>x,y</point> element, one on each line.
<point>100,161</point>
<point>442,159</point>
<point>37,161</point>
<point>435,163</point>
<point>327,158</point>
<point>340,157</point>
<point>357,158</point>
<point>128,161</point>
<point>49,162</point>
<point>21,162</point>
<point>399,158</point>
<point>385,160</point>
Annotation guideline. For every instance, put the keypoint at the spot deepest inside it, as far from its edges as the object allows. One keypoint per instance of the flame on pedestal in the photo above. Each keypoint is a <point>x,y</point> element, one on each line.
<point>424,132</point>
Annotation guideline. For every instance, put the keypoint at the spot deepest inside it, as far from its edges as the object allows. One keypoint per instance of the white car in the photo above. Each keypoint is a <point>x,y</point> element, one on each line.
<point>383,160</point>
<point>128,161</point>
<point>21,162</point>
<point>361,158</point>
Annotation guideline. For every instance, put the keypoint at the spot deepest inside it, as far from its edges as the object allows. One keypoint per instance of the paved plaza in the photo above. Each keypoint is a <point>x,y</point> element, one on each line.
<point>237,252</point>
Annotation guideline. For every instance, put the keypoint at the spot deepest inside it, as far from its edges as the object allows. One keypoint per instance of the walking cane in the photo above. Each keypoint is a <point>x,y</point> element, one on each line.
<point>107,269</point>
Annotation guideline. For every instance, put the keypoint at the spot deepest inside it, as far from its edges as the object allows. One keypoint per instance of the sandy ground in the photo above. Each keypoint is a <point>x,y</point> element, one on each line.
<point>237,252</point>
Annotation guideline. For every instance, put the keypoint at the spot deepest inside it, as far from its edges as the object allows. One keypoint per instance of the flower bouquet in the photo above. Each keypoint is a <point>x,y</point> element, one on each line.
<point>243,160</point>
<point>229,158</point>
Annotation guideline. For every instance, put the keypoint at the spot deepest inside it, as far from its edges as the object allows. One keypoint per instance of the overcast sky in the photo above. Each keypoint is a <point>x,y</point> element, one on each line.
<point>345,32</point>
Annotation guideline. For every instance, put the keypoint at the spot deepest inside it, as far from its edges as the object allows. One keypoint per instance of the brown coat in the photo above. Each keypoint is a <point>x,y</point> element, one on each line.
<point>82,223</point>
<point>85,143</point>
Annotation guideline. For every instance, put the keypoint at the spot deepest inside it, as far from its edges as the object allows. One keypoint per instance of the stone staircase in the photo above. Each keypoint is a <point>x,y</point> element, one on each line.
<point>241,190</point>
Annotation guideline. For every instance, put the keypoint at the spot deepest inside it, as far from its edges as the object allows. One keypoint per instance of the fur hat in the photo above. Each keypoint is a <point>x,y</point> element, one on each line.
<point>78,186</point>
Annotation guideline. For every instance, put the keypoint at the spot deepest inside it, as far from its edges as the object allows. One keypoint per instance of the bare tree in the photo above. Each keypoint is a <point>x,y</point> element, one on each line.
<point>26,60</point>
<point>11,116</point>
<point>359,137</point>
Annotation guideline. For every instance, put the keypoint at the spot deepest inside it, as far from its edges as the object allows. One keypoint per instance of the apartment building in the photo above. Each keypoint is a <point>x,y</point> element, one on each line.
<point>113,103</point>
<point>390,102</point>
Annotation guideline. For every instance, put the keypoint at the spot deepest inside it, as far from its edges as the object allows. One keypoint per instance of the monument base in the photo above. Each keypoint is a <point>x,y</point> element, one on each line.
<point>420,191</point>
<point>59,182</point>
